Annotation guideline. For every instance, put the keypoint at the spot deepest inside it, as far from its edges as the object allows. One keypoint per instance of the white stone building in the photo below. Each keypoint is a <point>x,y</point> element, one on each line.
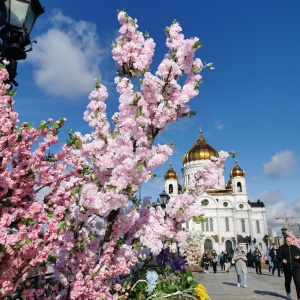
<point>231,219</point>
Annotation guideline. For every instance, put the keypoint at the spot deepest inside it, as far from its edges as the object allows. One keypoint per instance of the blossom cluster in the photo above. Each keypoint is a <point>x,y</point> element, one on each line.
<point>88,222</point>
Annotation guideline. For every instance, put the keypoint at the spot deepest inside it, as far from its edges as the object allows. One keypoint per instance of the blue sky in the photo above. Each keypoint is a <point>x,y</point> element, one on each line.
<point>249,103</point>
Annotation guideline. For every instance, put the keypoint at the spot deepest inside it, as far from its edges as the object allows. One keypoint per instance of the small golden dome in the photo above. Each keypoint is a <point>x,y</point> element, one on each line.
<point>171,174</point>
<point>200,151</point>
<point>229,185</point>
<point>237,171</point>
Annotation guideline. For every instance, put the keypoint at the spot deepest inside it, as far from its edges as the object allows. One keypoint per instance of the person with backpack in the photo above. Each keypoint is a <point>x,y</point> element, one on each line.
<point>227,261</point>
<point>257,258</point>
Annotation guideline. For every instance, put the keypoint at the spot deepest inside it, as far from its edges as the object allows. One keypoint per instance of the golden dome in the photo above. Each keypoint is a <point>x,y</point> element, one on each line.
<point>171,174</point>
<point>201,150</point>
<point>237,172</point>
<point>229,185</point>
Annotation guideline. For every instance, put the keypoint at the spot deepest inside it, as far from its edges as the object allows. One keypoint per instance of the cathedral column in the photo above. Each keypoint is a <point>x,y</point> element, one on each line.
<point>219,230</point>
<point>234,225</point>
<point>250,224</point>
<point>265,222</point>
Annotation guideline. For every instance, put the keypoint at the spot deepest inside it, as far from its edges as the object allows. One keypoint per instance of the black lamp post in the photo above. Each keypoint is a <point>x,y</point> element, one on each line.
<point>17,18</point>
<point>164,198</point>
<point>266,240</point>
<point>284,231</point>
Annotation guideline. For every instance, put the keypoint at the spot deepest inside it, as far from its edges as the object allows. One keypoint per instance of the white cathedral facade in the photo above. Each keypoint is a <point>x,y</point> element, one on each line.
<point>230,218</point>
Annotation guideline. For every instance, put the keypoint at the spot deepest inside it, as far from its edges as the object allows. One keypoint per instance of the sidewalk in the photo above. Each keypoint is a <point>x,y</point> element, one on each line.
<point>223,285</point>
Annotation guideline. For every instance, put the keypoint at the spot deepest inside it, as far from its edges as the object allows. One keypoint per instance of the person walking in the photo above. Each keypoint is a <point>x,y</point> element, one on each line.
<point>270,258</point>
<point>250,259</point>
<point>289,255</point>
<point>257,258</point>
<point>240,266</point>
<point>227,261</point>
<point>221,260</point>
<point>276,262</point>
<point>206,261</point>
<point>214,260</point>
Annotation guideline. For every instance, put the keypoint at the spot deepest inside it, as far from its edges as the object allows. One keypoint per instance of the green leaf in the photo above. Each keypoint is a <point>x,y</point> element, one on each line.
<point>17,245</point>
<point>50,214</point>
<point>28,126</point>
<point>197,45</point>
<point>62,225</point>
<point>199,219</point>
<point>42,125</point>
<point>52,258</point>
<point>11,93</point>
<point>55,125</point>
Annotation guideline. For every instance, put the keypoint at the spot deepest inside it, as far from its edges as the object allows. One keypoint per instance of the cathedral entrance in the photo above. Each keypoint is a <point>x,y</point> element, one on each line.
<point>208,245</point>
<point>228,247</point>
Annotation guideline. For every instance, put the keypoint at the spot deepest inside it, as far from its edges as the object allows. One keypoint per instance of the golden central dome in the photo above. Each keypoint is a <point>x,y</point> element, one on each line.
<point>171,174</point>
<point>201,150</point>
<point>237,172</point>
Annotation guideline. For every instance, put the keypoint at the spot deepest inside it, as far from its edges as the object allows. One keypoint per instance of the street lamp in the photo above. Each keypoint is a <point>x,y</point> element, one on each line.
<point>284,231</point>
<point>164,198</point>
<point>266,240</point>
<point>17,18</point>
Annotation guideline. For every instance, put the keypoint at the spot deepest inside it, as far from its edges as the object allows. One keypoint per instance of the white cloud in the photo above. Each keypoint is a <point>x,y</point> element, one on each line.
<point>67,57</point>
<point>280,165</point>
<point>219,125</point>
<point>276,214</point>
<point>270,197</point>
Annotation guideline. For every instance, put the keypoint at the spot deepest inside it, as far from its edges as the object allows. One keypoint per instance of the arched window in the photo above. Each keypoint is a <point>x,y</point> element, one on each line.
<point>239,187</point>
<point>227,224</point>
<point>170,188</point>
<point>228,247</point>
<point>257,227</point>
<point>211,224</point>
<point>243,226</point>
<point>208,245</point>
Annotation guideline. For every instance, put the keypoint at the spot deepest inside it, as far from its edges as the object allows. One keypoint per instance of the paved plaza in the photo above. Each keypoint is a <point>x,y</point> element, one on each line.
<point>223,286</point>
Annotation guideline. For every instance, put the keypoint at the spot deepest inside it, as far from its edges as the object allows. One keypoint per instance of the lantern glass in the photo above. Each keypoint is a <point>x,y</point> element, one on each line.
<point>17,12</point>
<point>31,17</point>
<point>164,197</point>
<point>23,13</point>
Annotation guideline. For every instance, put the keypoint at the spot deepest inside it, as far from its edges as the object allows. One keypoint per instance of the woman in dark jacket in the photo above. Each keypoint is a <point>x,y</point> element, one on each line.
<point>214,260</point>
<point>227,261</point>
<point>205,261</point>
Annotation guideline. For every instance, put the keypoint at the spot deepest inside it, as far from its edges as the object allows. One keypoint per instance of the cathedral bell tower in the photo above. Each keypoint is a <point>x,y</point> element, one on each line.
<point>171,182</point>
<point>238,182</point>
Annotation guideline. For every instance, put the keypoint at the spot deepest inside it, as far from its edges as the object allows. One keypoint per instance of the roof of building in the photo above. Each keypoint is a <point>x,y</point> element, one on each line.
<point>237,171</point>
<point>171,174</point>
<point>256,204</point>
<point>200,151</point>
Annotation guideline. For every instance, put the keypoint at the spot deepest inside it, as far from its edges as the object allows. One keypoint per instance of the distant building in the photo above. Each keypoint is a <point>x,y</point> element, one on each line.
<point>272,233</point>
<point>295,229</point>
<point>231,219</point>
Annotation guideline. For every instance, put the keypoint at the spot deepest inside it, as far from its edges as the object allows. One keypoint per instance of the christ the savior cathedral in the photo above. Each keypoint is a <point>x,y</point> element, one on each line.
<point>230,218</point>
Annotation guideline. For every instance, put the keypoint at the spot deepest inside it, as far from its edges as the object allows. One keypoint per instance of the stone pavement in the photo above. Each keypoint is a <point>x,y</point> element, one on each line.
<point>223,285</point>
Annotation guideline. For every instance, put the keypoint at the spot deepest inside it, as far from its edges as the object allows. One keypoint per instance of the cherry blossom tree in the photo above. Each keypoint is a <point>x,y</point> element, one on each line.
<point>90,224</point>
<point>295,240</point>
